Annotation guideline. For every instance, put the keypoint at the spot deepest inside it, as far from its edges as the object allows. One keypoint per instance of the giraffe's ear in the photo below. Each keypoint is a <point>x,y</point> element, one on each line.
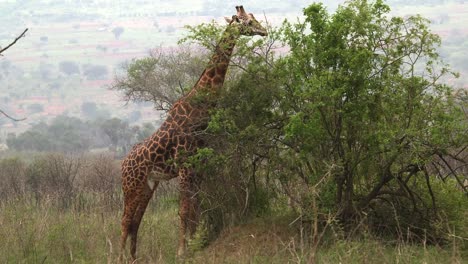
<point>233,19</point>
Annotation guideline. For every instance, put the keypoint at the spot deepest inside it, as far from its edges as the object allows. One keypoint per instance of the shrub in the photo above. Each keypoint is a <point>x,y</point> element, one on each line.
<point>435,217</point>
<point>12,178</point>
<point>53,176</point>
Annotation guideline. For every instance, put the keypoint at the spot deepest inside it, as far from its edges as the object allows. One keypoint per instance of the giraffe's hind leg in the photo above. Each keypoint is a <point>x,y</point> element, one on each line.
<point>135,202</point>
<point>136,221</point>
<point>130,207</point>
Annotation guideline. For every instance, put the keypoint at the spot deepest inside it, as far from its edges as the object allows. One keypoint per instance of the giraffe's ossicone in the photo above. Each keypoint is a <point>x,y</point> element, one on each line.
<point>160,157</point>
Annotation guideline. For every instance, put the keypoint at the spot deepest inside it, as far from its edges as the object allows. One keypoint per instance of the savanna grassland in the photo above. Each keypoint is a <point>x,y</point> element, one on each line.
<point>67,209</point>
<point>339,138</point>
<point>63,209</point>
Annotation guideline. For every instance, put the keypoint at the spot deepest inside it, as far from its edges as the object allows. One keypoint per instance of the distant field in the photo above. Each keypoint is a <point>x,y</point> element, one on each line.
<point>82,33</point>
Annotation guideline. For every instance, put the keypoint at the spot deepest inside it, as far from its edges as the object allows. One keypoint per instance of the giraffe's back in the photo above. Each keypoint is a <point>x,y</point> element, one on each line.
<point>158,156</point>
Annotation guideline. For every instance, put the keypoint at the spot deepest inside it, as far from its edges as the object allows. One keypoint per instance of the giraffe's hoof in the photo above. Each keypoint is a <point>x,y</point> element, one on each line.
<point>181,252</point>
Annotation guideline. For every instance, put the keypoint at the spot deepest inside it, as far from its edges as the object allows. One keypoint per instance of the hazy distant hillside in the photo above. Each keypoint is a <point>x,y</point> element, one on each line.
<point>73,48</point>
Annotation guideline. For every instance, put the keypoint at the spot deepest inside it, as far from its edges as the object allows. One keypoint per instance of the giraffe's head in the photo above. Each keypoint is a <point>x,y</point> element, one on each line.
<point>247,24</point>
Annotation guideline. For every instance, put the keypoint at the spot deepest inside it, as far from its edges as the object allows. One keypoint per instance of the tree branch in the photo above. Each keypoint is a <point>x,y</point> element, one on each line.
<point>1,51</point>
<point>9,117</point>
<point>13,43</point>
<point>429,188</point>
<point>453,173</point>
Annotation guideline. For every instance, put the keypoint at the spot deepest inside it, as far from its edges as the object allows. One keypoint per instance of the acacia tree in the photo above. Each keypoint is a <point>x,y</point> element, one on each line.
<point>354,120</point>
<point>160,78</point>
<point>368,108</point>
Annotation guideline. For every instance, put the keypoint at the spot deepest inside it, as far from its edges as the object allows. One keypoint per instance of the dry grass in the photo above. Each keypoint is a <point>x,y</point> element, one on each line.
<point>259,241</point>
<point>274,240</point>
<point>46,234</point>
<point>36,226</point>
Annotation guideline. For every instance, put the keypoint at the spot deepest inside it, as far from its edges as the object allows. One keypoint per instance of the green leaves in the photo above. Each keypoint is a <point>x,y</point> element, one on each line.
<point>204,34</point>
<point>362,91</point>
<point>162,77</point>
<point>316,16</point>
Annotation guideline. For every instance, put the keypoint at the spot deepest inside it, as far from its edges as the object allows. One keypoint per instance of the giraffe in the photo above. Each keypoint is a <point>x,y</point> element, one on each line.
<point>160,157</point>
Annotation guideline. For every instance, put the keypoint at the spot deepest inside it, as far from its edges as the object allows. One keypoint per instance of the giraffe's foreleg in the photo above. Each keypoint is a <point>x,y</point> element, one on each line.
<point>184,210</point>
<point>188,209</point>
<point>194,209</point>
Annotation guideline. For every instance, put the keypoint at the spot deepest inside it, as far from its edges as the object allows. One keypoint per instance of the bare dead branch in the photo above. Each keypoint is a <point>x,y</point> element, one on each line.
<point>1,51</point>
<point>12,118</point>
<point>461,151</point>
<point>14,42</point>
<point>453,173</point>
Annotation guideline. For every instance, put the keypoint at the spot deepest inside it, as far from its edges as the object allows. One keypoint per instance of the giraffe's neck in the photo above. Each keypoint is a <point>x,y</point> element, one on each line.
<point>213,76</point>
